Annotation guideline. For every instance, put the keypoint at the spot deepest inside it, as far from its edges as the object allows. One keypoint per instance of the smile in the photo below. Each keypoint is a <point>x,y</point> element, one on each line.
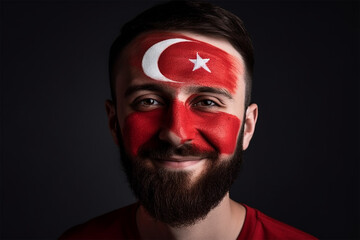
<point>179,162</point>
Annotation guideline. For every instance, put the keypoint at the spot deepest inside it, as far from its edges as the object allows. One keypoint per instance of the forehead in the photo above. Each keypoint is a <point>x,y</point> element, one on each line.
<point>180,59</point>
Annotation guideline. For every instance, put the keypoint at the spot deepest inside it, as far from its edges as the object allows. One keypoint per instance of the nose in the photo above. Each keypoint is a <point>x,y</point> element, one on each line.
<point>177,128</point>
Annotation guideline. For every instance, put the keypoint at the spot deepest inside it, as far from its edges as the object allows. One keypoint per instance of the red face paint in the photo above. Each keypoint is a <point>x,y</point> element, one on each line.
<point>204,130</point>
<point>176,61</point>
<point>179,62</point>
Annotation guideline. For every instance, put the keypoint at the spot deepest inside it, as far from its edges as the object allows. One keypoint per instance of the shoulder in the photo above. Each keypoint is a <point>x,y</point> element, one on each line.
<point>257,225</point>
<point>117,224</point>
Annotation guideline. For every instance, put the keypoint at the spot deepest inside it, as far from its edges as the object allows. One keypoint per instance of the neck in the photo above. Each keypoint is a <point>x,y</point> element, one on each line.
<point>223,222</point>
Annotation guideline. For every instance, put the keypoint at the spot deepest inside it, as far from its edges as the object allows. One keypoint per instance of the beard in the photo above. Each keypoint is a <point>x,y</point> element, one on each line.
<point>171,196</point>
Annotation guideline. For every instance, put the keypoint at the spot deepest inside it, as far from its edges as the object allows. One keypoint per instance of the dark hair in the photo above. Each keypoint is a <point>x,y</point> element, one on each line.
<point>193,16</point>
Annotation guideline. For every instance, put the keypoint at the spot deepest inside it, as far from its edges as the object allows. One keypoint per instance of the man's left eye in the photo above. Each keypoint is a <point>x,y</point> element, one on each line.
<point>205,103</point>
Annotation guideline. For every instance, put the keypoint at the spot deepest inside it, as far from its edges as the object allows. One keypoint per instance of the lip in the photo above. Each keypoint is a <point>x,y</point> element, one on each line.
<point>179,162</point>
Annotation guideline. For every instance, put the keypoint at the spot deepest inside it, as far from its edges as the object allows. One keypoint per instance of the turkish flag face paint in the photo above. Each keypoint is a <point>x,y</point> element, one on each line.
<point>178,61</point>
<point>175,58</point>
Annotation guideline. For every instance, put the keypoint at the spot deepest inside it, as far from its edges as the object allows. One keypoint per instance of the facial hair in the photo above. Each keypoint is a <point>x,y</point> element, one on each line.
<point>170,196</point>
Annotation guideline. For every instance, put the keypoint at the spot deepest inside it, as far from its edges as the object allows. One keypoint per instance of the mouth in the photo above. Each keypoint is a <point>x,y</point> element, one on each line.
<point>179,162</point>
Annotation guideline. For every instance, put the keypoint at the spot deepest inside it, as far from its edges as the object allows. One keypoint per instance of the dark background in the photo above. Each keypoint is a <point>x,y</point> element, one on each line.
<point>59,166</point>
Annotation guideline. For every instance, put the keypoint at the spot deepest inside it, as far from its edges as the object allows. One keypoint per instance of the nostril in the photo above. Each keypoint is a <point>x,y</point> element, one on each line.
<point>186,141</point>
<point>170,136</point>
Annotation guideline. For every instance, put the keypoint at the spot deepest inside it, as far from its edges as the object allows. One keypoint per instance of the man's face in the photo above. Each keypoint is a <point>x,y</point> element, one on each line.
<point>180,111</point>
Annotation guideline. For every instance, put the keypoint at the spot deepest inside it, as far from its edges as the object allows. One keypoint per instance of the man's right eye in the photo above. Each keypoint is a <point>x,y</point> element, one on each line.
<point>146,104</point>
<point>149,101</point>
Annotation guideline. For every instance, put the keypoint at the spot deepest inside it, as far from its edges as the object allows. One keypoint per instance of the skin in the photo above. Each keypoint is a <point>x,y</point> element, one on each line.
<point>179,114</point>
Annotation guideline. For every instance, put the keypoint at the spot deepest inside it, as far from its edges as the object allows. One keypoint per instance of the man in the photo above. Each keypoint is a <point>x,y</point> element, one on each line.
<point>180,76</point>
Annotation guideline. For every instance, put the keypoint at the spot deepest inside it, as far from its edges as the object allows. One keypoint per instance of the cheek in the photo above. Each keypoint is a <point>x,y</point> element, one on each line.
<point>139,128</point>
<point>208,131</point>
<point>217,130</point>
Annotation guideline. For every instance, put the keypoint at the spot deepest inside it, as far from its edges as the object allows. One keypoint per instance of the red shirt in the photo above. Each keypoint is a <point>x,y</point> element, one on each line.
<point>121,224</point>
<point>258,226</point>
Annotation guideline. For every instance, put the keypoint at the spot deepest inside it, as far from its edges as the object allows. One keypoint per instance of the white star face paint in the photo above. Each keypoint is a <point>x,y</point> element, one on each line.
<point>200,63</point>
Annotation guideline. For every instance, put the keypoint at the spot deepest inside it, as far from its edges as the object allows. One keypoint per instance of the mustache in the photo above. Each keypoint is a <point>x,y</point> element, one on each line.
<point>164,150</point>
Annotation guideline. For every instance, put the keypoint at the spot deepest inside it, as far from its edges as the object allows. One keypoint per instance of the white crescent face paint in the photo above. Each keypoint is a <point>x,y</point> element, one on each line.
<point>151,57</point>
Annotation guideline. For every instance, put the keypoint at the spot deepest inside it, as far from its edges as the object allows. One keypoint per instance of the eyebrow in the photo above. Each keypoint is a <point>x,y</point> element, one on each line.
<point>156,88</point>
<point>149,87</point>
<point>221,91</point>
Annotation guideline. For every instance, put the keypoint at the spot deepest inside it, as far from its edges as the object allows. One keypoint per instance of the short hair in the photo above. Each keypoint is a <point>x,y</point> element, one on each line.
<point>192,16</point>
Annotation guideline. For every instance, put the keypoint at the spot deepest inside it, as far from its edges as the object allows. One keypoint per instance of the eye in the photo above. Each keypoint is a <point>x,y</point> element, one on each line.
<point>146,103</point>
<point>206,103</point>
<point>149,101</point>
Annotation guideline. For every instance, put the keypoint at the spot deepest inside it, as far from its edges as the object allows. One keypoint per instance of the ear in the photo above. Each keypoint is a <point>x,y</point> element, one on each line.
<point>112,120</point>
<point>249,124</point>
